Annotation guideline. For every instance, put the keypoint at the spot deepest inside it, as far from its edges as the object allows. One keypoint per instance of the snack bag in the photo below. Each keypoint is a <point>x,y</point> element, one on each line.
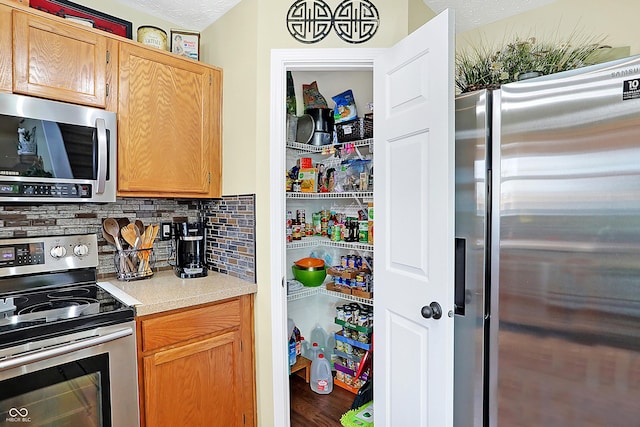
<point>345,108</point>
<point>312,97</point>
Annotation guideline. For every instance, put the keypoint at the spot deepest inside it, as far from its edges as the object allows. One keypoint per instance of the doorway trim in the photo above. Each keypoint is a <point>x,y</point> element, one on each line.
<point>283,60</point>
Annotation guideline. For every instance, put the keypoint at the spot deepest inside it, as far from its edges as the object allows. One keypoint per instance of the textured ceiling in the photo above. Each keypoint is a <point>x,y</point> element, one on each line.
<point>199,14</point>
<point>476,13</point>
<point>188,14</point>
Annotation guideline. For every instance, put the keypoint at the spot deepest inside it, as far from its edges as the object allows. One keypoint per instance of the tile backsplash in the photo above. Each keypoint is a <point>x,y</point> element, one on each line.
<point>231,233</point>
<point>229,222</point>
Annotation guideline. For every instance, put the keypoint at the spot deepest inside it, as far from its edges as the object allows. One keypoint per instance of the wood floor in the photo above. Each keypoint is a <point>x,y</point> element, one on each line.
<point>309,409</point>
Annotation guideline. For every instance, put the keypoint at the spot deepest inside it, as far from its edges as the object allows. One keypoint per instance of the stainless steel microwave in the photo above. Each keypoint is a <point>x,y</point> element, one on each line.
<point>56,152</point>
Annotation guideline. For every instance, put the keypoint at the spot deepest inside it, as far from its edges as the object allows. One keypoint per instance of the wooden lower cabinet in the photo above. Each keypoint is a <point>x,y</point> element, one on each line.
<point>196,366</point>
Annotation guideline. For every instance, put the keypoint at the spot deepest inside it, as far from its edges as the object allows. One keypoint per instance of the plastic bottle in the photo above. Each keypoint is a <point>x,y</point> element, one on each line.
<point>321,377</point>
<point>314,352</point>
<point>292,342</point>
<point>319,335</point>
<point>292,351</point>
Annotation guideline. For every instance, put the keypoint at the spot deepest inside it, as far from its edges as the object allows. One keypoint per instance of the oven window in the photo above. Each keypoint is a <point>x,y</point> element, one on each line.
<point>75,394</point>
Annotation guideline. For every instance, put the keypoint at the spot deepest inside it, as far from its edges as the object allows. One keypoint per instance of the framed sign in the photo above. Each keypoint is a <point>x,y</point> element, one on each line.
<point>186,43</point>
<point>84,15</point>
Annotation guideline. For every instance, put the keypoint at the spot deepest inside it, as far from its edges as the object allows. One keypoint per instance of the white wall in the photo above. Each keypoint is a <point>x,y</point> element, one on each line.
<point>616,21</point>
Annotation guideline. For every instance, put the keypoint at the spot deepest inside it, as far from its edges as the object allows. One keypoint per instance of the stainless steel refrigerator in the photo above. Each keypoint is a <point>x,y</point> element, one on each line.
<point>548,251</point>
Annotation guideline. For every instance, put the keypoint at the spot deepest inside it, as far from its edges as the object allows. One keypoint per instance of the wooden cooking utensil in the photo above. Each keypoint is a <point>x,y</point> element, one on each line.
<point>139,226</point>
<point>130,234</point>
<point>111,226</point>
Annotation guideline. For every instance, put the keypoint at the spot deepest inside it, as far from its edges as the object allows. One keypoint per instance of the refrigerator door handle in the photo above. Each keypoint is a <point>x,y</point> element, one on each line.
<point>460,275</point>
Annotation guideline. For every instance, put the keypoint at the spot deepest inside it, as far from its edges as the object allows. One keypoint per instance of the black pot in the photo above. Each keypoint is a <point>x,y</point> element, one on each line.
<point>323,118</point>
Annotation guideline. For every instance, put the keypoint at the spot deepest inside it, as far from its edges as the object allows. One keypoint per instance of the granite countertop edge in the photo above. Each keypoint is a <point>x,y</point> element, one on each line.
<point>165,291</point>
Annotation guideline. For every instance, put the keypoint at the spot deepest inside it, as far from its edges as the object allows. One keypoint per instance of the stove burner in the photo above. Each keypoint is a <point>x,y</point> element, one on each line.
<point>81,292</point>
<point>49,311</point>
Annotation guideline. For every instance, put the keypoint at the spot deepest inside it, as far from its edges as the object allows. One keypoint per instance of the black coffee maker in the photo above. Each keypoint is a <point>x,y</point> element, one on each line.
<point>190,250</point>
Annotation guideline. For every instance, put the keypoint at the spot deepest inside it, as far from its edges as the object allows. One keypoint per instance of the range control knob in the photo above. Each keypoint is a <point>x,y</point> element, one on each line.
<point>80,250</point>
<point>58,251</point>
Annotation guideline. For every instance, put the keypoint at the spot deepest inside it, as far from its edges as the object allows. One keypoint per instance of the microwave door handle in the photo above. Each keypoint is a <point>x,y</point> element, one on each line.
<point>101,131</point>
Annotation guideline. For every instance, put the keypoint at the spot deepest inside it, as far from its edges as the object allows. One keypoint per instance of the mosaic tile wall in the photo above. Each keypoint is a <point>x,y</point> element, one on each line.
<point>231,236</point>
<point>233,255</point>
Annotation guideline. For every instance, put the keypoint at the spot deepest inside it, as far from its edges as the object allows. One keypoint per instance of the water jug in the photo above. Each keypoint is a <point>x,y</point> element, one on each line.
<point>321,378</point>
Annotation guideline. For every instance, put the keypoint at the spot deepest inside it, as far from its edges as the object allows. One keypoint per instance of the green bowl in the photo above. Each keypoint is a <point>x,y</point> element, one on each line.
<point>309,278</point>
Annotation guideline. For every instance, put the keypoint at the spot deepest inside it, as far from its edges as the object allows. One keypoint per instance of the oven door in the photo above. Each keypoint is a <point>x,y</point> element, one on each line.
<point>82,379</point>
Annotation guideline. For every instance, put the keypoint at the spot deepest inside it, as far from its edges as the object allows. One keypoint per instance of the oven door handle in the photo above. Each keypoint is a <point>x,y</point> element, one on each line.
<point>63,349</point>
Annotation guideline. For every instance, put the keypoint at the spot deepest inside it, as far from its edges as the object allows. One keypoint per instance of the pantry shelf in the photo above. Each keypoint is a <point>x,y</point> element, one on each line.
<point>323,148</point>
<point>345,195</point>
<point>308,242</point>
<point>308,292</point>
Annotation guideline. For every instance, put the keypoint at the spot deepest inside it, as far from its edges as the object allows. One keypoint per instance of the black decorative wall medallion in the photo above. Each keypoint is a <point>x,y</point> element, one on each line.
<point>355,21</point>
<point>309,21</point>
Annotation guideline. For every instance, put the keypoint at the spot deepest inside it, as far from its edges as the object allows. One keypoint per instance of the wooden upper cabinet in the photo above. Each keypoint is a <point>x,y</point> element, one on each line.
<point>6,67</point>
<point>168,125</point>
<point>58,61</point>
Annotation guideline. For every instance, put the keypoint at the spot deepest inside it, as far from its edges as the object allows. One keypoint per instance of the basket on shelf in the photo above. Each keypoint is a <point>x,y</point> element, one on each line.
<point>134,264</point>
<point>356,129</point>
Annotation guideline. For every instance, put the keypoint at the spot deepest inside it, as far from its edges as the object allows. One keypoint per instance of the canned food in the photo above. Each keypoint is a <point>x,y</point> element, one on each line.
<point>348,379</point>
<point>340,375</point>
<point>296,232</point>
<point>152,36</point>
<point>363,337</point>
<point>348,315</point>
<point>348,348</point>
<point>363,319</point>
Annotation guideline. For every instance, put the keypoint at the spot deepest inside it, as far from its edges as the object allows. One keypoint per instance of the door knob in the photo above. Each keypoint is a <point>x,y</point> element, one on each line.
<point>432,310</point>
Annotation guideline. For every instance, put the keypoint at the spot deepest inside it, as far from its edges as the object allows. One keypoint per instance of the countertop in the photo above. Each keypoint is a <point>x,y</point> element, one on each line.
<point>165,291</point>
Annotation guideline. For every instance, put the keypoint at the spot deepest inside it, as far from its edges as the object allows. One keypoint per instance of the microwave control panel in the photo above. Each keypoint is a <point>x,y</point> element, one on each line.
<point>41,189</point>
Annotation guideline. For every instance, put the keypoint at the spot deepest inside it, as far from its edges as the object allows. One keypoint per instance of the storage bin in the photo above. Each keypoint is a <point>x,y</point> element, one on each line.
<point>354,130</point>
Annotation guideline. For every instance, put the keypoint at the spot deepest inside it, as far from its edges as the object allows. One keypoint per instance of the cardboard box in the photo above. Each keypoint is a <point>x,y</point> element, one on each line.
<point>306,163</point>
<point>309,178</point>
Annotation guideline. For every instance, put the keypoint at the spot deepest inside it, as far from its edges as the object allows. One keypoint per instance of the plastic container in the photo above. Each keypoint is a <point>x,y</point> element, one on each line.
<point>292,351</point>
<point>321,377</point>
<point>314,351</point>
<point>319,335</point>
<point>291,342</point>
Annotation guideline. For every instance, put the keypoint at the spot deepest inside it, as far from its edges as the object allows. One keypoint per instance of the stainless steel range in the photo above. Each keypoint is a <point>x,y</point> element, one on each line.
<point>67,345</point>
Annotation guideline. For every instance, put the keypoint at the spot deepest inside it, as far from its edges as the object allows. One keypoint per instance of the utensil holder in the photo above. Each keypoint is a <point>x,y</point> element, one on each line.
<point>134,264</point>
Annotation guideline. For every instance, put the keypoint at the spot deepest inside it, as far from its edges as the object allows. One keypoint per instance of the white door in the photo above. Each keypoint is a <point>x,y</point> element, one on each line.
<point>414,228</point>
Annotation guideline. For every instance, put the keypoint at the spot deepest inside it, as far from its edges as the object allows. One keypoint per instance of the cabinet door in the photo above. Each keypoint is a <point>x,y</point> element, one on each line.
<point>198,384</point>
<point>58,61</point>
<point>6,68</point>
<point>168,124</point>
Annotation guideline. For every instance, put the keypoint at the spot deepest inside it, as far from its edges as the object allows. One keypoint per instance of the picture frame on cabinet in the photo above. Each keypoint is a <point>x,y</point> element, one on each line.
<point>90,17</point>
<point>186,43</point>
